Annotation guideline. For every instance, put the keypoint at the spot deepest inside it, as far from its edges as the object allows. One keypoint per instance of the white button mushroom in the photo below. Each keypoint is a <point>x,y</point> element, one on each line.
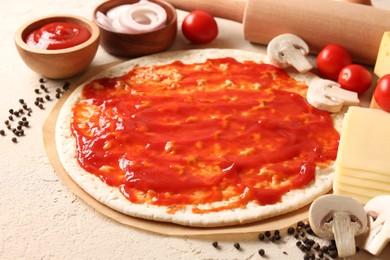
<point>339,217</point>
<point>289,50</point>
<point>329,96</point>
<point>379,217</point>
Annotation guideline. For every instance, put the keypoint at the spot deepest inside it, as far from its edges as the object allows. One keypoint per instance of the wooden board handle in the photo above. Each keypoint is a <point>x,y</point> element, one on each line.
<point>359,28</point>
<point>228,9</point>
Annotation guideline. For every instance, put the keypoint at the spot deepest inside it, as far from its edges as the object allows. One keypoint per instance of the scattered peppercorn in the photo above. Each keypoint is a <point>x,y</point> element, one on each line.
<point>2,132</point>
<point>14,139</point>
<point>11,118</point>
<point>42,80</point>
<point>309,230</point>
<point>47,97</point>
<point>267,233</point>
<point>66,85</point>
<point>261,236</point>
<point>11,111</point>
<point>261,252</point>
<point>291,230</point>
<point>237,245</point>
<point>37,91</point>
<point>21,101</point>
<point>215,244</point>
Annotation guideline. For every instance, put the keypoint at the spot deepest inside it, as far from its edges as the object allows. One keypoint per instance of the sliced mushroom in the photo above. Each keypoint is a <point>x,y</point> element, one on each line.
<point>289,50</point>
<point>339,217</point>
<point>329,96</point>
<point>379,222</point>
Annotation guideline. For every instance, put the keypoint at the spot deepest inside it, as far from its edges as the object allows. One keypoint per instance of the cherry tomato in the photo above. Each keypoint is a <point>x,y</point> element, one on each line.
<point>199,27</point>
<point>355,78</point>
<point>332,59</point>
<point>382,93</point>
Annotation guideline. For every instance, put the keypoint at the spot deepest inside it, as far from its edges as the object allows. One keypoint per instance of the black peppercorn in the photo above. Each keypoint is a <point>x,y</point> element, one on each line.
<point>42,80</point>
<point>237,245</point>
<point>37,91</point>
<point>261,252</point>
<point>261,236</point>
<point>2,132</point>
<point>21,101</point>
<point>215,244</point>
<point>267,233</point>
<point>291,230</point>
<point>66,85</point>
<point>14,139</point>
<point>309,230</point>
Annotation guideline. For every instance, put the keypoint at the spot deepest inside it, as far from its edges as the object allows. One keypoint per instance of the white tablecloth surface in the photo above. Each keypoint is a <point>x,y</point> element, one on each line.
<point>40,218</point>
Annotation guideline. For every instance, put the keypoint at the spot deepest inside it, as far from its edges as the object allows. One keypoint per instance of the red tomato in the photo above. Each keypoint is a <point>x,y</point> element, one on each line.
<point>332,59</point>
<point>355,78</point>
<point>382,93</point>
<point>199,27</point>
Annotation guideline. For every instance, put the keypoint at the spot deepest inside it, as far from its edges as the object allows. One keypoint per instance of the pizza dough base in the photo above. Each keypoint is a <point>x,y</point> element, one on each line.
<point>111,196</point>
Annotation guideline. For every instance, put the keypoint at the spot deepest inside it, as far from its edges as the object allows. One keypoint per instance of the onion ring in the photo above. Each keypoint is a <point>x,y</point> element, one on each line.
<point>141,17</point>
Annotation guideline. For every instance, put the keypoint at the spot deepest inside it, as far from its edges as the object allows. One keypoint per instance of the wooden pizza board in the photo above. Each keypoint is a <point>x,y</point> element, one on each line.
<point>279,222</point>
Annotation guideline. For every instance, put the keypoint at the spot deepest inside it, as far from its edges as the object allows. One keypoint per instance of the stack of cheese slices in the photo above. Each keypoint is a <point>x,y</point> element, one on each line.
<point>363,160</point>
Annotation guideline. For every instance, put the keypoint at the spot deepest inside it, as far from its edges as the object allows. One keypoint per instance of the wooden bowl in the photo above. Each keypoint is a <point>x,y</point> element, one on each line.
<point>135,45</point>
<point>62,63</point>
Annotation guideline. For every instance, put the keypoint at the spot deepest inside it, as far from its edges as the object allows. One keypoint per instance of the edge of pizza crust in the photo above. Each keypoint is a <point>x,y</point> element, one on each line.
<point>111,196</point>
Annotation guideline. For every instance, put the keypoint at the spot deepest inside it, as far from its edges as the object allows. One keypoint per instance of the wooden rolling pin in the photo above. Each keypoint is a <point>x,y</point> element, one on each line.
<point>359,28</point>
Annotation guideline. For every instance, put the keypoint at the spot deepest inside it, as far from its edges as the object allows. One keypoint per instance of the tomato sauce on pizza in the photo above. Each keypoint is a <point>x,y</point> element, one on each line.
<point>221,132</point>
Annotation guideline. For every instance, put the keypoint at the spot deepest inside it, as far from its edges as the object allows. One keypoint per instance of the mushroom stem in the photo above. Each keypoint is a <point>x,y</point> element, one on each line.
<point>344,233</point>
<point>294,56</point>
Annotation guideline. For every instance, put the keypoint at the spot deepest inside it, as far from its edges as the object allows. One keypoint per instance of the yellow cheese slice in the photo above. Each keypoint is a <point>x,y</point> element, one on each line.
<point>361,198</point>
<point>381,187</point>
<point>362,176</point>
<point>365,141</point>
<point>382,65</point>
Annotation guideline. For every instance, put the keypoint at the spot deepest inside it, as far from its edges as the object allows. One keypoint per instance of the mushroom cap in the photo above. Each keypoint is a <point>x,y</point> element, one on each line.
<point>322,211</point>
<point>276,44</point>
<point>379,205</point>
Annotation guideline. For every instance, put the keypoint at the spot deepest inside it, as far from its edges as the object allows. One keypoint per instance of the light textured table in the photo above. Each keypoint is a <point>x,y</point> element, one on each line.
<point>40,218</point>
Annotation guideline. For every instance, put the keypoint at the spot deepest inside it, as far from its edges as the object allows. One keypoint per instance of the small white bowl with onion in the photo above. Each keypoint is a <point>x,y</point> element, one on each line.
<point>133,28</point>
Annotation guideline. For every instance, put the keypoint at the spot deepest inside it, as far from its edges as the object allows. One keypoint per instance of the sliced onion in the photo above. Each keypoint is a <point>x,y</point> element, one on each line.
<point>117,11</point>
<point>140,17</point>
<point>104,21</point>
